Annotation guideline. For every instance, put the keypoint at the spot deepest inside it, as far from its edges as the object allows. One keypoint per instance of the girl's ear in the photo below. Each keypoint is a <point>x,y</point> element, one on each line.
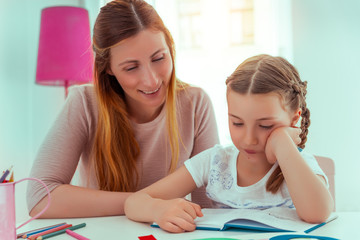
<point>296,117</point>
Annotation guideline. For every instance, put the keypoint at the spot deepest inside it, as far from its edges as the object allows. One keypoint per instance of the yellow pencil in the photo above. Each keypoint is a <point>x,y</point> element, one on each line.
<point>11,177</point>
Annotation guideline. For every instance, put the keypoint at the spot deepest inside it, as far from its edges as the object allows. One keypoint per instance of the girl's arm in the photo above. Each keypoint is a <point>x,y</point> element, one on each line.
<point>69,201</point>
<point>308,191</point>
<point>163,203</point>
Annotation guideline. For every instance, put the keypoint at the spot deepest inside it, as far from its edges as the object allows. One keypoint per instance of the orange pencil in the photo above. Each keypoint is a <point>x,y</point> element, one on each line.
<point>33,237</point>
<point>38,230</point>
<point>11,177</point>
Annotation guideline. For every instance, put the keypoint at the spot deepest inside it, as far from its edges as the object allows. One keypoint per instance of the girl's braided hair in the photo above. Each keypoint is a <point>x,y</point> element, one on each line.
<point>266,74</point>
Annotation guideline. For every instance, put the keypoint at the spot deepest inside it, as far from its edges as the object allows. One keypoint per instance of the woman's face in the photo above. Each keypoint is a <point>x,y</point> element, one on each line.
<point>142,65</point>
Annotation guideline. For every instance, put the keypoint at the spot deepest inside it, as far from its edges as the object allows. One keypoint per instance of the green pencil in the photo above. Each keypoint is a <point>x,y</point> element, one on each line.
<point>61,231</point>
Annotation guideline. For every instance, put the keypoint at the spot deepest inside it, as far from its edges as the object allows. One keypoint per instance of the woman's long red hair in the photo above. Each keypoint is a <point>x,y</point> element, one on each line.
<point>115,149</point>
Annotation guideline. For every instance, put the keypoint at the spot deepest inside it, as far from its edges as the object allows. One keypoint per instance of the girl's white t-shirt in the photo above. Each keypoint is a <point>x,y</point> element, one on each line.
<point>216,169</point>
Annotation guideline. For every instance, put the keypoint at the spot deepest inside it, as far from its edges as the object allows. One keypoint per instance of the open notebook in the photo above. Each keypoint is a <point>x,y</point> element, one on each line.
<point>269,220</point>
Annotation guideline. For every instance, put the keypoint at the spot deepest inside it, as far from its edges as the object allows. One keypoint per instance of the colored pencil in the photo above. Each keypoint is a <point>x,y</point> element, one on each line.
<point>61,231</point>
<point>76,235</point>
<point>11,177</point>
<point>30,231</point>
<point>3,177</point>
<point>33,237</point>
<point>36,231</point>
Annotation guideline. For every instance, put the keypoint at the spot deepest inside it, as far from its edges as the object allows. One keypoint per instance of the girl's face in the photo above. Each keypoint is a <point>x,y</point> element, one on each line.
<point>142,65</point>
<point>252,118</point>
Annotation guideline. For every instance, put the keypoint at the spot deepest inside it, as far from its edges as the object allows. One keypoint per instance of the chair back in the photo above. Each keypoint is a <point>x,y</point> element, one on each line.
<point>328,166</point>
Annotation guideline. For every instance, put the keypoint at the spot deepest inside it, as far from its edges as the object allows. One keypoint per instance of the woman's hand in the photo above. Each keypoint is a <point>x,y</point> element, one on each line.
<point>277,137</point>
<point>176,215</point>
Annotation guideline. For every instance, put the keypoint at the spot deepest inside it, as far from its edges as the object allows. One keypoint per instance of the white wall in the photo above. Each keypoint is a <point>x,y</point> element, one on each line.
<point>15,100</point>
<point>326,38</point>
<point>26,110</point>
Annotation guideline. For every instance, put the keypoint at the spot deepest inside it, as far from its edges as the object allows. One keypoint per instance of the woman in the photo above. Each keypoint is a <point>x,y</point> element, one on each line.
<point>135,125</point>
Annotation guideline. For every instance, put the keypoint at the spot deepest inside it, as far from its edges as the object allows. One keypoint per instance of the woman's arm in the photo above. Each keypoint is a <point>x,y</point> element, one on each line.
<point>205,127</point>
<point>70,138</point>
<point>162,203</point>
<point>68,201</point>
<point>199,119</point>
<point>308,191</point>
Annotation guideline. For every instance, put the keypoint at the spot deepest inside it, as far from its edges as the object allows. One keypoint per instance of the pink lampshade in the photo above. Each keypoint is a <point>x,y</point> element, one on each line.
<point>64,56</point>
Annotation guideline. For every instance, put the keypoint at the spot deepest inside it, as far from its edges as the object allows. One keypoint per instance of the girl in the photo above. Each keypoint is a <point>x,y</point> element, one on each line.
<point>264,168</point>
<point>133,126</point>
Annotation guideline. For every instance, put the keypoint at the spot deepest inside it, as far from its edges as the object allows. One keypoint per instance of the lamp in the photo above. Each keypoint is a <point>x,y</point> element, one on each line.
<point>64,55</point>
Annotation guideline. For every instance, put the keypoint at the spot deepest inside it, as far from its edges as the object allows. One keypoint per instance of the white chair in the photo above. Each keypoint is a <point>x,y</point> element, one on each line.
<point>328,166</point>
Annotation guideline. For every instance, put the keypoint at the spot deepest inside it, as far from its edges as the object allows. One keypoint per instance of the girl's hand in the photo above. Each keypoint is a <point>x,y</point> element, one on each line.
<point>276,138</point>
<point>177,215</point>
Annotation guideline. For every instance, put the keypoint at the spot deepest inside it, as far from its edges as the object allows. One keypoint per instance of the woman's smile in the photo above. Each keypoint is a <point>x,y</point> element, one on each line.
<point>149,92</point>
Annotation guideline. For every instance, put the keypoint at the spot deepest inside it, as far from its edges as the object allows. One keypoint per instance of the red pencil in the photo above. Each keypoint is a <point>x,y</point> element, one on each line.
<point>33,237</point>
<point>24,234</point>
<point>76,235</point>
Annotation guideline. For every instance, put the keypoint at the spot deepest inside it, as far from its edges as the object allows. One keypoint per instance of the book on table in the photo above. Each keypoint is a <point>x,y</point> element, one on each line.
<point>279,219</point>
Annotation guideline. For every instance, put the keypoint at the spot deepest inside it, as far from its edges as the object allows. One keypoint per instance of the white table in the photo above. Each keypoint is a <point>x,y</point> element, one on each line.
<point>344,227</point>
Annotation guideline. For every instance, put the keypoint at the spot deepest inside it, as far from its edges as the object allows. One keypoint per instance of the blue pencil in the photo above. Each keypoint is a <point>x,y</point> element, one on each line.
<point>39,230</point>
<point>60,231</point>
<point>3,177</point>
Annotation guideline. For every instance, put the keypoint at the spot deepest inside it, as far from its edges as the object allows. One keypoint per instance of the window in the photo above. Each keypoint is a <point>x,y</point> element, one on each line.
<point>191,34</point>
<point>241,15</point>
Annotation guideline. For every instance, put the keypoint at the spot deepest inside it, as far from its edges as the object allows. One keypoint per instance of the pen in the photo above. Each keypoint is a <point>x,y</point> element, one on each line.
<point>6,173</point>
<point>61,231</point>
<point>76,235</point>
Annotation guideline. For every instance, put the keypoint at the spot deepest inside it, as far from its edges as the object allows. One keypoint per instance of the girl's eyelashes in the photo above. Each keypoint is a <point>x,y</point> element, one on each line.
<point>266,127</point>
<point>237,124</point>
